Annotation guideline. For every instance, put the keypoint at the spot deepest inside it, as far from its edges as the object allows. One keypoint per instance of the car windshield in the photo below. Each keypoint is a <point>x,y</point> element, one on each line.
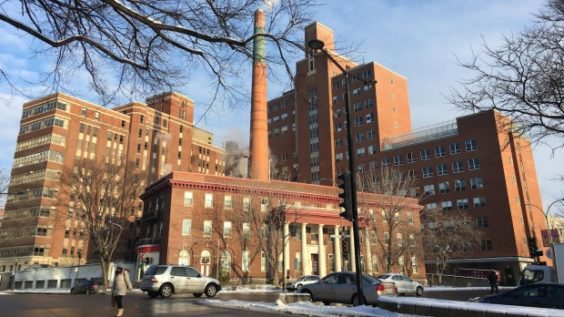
<point>155,270</point>
<point>383,276</point>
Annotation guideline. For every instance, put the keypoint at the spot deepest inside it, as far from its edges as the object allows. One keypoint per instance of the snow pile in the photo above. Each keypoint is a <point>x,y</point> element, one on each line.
<point>43,291</point>
<point>251,289</point>
<point>306,309</point>
<point>473,288</point>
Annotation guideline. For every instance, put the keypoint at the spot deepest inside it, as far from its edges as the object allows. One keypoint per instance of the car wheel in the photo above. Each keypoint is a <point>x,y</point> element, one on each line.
<point>211,290</point>
<point>197,294</point>
<point>166,291</point>
<point>355,300</point>
<point>419,291</point>
<point>152,294</point>
<point>87,292</point>
<point>326,303</point>
<point>305,291</point>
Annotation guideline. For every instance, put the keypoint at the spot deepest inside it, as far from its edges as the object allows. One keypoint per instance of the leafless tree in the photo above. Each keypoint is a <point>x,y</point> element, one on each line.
<point>156,45</point>
<point>448,234</point>
<point>394,215</point>
<point>523,77</point>
<point>104,196</point>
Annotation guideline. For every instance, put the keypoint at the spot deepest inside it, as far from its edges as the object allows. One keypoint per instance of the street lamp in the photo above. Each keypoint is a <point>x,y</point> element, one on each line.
<point>317,45</point>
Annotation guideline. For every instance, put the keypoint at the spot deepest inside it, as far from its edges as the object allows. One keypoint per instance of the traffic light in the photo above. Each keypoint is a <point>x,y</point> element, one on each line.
<point>344,183</point>
<point>533,247</point>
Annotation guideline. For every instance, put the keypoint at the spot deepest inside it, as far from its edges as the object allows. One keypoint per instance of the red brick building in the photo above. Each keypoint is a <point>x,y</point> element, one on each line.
<point>196,219</point>
<point>473,163</point>
<point>157,136</point>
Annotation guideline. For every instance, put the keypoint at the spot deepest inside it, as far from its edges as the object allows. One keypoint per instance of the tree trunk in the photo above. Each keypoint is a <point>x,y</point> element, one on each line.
<point>105,264</point>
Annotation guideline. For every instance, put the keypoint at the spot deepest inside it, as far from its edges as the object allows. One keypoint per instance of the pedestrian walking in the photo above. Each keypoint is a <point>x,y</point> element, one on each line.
<point>492,278</point>
<point>121,285</point>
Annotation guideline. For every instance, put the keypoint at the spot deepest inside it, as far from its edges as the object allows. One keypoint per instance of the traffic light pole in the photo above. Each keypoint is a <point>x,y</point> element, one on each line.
<point>318,45</point>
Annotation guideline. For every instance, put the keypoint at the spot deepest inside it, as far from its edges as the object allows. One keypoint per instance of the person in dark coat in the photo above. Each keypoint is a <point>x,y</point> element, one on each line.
<point>492,278</point>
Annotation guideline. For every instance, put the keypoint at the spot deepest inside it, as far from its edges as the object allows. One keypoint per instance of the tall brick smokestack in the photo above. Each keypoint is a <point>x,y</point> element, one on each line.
<point>259,117</point>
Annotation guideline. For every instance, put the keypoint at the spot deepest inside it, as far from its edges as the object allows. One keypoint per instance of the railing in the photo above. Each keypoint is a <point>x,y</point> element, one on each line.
<point>437,131</point>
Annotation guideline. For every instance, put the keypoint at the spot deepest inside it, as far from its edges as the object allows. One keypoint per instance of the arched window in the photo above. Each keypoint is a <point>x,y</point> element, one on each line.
<point>205,257</point>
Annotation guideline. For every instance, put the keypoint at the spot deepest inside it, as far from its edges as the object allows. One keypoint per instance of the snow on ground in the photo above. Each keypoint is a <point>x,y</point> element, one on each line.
<point>474,306</point>
<point>251,289</point>
<point>477,288</point>
<point>305,309</point>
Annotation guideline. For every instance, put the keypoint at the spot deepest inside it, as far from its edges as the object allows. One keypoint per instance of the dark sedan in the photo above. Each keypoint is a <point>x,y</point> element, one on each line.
<point>534,295</point>
<point>86,287</point>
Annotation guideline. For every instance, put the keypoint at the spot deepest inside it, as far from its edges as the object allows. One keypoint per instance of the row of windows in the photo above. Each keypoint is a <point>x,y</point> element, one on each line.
<point>46,107</point>
<point>50,155</point>
<point>41,124</point>
<point>35,176</point>
<point>41,140</point>
<point>31,212</point>
<point>227,201</point>
<point>463,203</point>
<point>459,185</point>
<point>34,194</point>
<point>17,251</point>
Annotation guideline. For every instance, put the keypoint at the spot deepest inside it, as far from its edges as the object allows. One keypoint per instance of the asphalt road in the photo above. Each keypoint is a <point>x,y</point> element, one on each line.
<point>138,305</point>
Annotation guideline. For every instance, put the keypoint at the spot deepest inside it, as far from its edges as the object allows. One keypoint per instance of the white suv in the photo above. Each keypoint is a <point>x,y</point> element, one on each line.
<point>164,280</point>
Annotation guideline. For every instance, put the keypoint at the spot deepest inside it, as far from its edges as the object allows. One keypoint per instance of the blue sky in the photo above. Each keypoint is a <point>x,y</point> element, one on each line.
<point>419,39</point>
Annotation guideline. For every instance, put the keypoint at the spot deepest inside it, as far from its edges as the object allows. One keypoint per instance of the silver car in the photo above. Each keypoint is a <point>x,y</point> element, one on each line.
<point>340,287</point>
<point>404,284</point>
<point>164,280</point>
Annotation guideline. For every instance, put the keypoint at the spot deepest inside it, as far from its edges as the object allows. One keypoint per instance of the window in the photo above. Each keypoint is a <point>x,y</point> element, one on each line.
<point>457,167</point>
<point>264,203</point>
<point>371,134</point>
<point>371,149</point>
<point>444,187</point>
<point>246,230</point>
<point>411,174</point>
<point>245,259</point>
<point>431,206</point>
<point>410,157</point>
<point>399,237</point>
<point>386,237</point>
<point>462,203</point>
<point>358,121</point>
<point>482,222</point>
<point>361,151</point>
<point>385,161</point>
<point>473,164</point>
<point>186,227</point>
<point>414,268</point>
<point>208,203</point>
<point>398,160</point>
<point>440,151</point>
<point>429,189</point>
<point>410,217</point>
<point>479,202</point>
<point>359,137</point>
<point>227,229</point>
<point>446,205</point>
<point>476,182</point>
<point>369,117</point>
<point>188,199</point>
<point>459,185</point>
<point>207,228</point>
<point>485,244</point>
<point>471,145</point>
<point>425,154</point>
<point>227,202</point>
<point>454,148</point>
<point>427,172</point>
<point>442,169</point>
<point>246,203</point>
<point>411,240</point>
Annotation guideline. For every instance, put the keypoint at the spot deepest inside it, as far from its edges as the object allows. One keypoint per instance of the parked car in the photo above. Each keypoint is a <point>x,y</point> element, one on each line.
<point>87,287</point>
<point>546,295</point>
<point>164,280</point>
<point>404,284</point>
<point>303,280</point>
<point>340,287</point>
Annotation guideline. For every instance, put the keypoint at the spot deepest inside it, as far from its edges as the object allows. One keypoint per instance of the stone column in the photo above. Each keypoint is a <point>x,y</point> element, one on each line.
<point>368,256</point>
<point>351,248</point>
<point>305,268</point>
<point>286,265</point>
<point>338,255</point>
<point>322,255</point>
